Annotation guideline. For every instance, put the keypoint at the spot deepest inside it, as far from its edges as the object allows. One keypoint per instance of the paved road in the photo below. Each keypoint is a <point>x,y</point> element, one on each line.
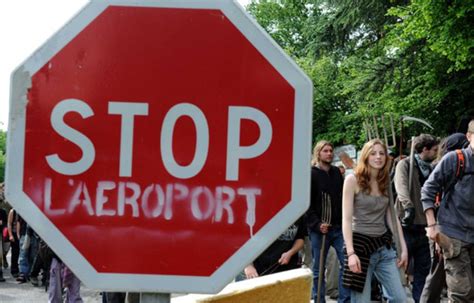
<point>11,291</point>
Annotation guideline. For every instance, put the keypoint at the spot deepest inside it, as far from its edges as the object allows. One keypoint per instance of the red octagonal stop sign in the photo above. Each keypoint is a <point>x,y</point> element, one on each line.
<point>159,145</point>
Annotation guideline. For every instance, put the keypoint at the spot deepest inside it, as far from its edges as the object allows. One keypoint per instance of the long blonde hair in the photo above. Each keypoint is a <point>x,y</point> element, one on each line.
<point>317,149</point>
<point>362,171</point>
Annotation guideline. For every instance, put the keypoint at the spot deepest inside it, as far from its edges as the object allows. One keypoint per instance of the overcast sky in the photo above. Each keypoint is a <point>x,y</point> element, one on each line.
<point>24,26</point>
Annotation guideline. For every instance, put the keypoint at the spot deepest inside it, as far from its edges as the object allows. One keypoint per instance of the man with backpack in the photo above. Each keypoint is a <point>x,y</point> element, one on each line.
<point>436,280</point>
<point>410,208</point>
<point>454,228</point>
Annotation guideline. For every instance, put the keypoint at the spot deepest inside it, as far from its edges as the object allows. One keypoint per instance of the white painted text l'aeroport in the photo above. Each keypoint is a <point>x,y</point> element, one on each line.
<point>156,200</point>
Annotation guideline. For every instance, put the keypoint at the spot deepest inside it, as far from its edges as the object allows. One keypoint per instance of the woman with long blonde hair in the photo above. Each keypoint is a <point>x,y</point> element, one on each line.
<point>367,228</point>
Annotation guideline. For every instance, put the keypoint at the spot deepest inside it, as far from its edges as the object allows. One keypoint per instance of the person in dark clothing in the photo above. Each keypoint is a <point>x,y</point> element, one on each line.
<point>326,198</point>
<point>29,242</point>
<point>40,263</point>
<point>3,224</point>
<point>453,226</point>
<point>13,233</point>
<point>436,279</point>
<point>410,208</point>
<point>281,255</point>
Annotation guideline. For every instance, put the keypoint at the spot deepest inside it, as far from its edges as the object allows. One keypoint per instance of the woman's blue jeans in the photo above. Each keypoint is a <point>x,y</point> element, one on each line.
<point>383,264</point>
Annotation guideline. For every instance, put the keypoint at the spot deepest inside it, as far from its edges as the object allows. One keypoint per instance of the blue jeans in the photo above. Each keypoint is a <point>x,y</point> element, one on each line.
<point>418,249</point>
<point>27,255</point>
<point>383,265</point>
<point>333,238</point>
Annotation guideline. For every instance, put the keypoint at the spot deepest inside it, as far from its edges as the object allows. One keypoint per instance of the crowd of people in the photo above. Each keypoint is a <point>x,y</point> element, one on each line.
<point>358,235</point>
<point>430,213</point>
<point>31,259</point>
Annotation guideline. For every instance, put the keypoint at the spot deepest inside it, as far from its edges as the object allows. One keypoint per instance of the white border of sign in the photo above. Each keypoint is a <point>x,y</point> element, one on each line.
<point>163,283</point>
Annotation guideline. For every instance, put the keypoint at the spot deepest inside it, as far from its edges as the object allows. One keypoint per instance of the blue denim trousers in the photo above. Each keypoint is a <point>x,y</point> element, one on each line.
<point>333,238</point>
<point>27,255</point>
<point>383,264</point>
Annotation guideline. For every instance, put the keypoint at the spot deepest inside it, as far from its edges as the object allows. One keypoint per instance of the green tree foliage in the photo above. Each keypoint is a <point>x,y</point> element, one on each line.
<point>285,21</point>
<point>372,57</point>
<point>441,25</point>
<point>344,27</point>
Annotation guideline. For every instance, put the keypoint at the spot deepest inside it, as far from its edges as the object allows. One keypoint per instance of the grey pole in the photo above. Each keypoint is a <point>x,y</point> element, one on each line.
<point>146,297</point>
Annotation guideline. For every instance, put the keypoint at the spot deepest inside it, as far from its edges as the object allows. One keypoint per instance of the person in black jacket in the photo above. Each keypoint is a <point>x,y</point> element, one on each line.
<point>281,255</point>
<point>324,216</point>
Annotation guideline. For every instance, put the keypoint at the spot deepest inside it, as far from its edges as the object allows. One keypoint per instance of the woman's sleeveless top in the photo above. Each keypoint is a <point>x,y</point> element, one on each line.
<point>368,217</point>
